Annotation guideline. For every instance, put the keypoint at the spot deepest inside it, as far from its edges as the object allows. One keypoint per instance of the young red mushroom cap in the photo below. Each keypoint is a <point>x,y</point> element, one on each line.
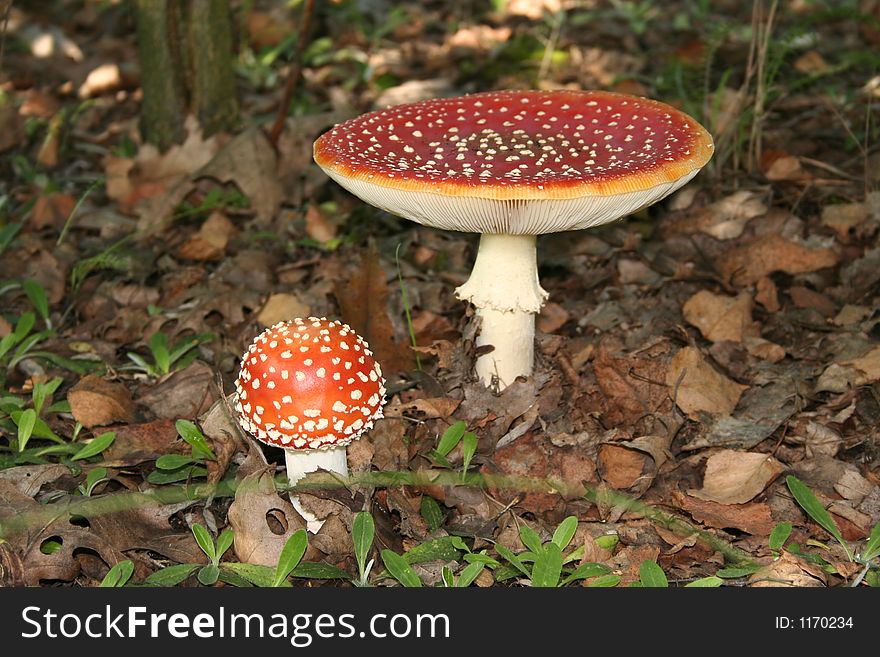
<point>512,165</point>
<point>310,386</point>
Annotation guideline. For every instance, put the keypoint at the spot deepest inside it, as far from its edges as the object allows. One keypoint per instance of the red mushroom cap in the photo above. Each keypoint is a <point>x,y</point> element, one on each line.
<point>307,384</point>
<point>518,145</point>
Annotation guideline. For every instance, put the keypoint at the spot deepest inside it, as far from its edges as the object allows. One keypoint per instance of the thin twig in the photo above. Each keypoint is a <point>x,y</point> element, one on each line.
<point>295,71</point>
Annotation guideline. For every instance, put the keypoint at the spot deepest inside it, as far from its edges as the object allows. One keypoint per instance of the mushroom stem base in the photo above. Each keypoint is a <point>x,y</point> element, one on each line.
<point>512,334</point>
<point>505,290</point>
<point>301,462</point>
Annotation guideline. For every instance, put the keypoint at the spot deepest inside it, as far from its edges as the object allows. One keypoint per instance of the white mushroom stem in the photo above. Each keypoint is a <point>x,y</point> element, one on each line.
<point>505,290</point>
<point>301,462</point>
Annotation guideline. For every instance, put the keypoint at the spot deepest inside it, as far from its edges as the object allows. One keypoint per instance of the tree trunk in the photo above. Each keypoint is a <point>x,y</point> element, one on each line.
<point>185,52</point>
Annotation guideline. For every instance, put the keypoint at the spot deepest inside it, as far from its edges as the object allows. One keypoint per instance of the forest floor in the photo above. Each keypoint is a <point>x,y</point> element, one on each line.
<point>706,394</point>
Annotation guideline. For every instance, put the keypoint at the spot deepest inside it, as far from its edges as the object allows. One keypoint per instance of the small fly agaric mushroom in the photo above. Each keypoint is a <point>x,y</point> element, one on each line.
<point>512,165</point>
<point>309,386</point>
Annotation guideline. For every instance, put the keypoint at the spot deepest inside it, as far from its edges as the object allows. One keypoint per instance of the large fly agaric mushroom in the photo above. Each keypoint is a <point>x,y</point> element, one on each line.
<point>309,386</point>
<point>512,165</point>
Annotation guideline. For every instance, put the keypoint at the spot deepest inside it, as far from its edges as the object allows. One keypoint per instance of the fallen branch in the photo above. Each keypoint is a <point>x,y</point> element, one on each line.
<point>89,507</point>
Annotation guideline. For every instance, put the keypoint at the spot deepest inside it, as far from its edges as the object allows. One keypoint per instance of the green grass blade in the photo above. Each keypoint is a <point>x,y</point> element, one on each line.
<point>363,530</point>
<point>468,574</point>
<point>118,575</point>
<point>705,583</point>
<point>547,567</point>
<point>451,438</point>
<point>196,439</point>
<point>290,556</point>
<point>872,547</point>
<point>400,570</point>
<point>95,446</point>
<point>565,532</point>
<point>224,542</point>
<point>37,296</point>
<point>172,575</point>
<point>586,570</point>
<point>26,422</point>
<point>813,507</point>
<point>159,347</point>
<point>203,538</point>
<point>779,536</point>
<point>530,539</point>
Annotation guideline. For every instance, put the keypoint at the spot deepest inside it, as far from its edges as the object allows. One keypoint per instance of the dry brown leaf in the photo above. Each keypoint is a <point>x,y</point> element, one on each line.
<point>788,571</point>
<point>767,294</point>
<point>812,63</point>
<point>11,126</point>
<point>701,388</point>
<point>478,37</point>
<point>786,168</point>
<point>734,477</point>
<point>843,217</point>
<point>749,263</point>
<point>632,384</point>
<point>101,80</point>
<point>29,479</point>
<point>621,467</point>
<point>868,366</point>
<point>52,210</point>
<point>164,170</point>
<point>804,297</point>
<point>525,457</point>
<point>363,300</point>
<point>725,219</point>
<point>840,377</point>
<point>137,443</point>
<point>95,402</point>
<point>764,349</point>
<point>552,318</point>
<point>752,518</point>
<point>851,314</point>
<point>282,307</point>
<point>211,240</point>
<point>425,408</point>
<point>721,317</point>
<point>389,448</point>
<point>318,227</point>
<point>262,520</point>
<point>533,9</point>
<point>853,486</point>
<point>185,393</point>
<point>249,162</point>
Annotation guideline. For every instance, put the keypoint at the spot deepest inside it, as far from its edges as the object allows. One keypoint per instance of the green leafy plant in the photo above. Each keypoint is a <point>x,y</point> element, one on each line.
<point>166,359</point>
<point>400,569</point>
<point>651,575</point>
<point>94,477</point>
<point>95,446</point>
<point>208,575</point>
<point>16,346</point>
<point>289,564</point>
<point>867,556</point>
<point>431,512</point>
<point>547,565</point>
<point>363,530</point>
<point>455,434</point>
<point>118,575</point>
<point>171,468</point>
<point>28,422</point>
